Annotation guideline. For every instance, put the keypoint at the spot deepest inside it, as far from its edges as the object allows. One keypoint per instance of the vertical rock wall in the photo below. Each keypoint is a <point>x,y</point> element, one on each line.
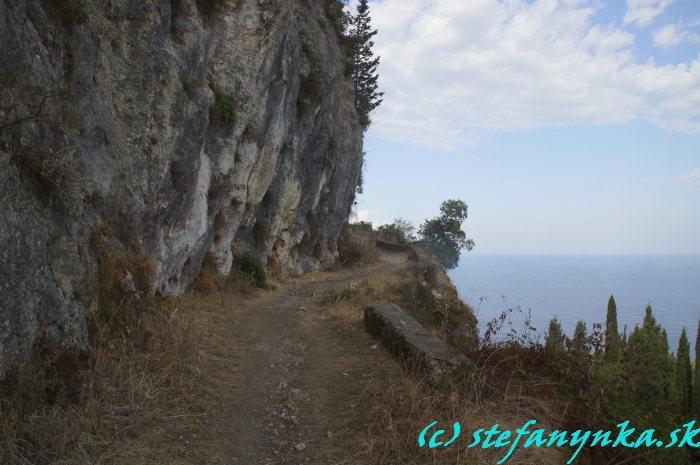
<point>117,127</point>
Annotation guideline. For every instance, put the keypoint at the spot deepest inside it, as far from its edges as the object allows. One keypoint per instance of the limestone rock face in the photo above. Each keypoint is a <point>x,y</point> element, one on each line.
<point>162,127</point>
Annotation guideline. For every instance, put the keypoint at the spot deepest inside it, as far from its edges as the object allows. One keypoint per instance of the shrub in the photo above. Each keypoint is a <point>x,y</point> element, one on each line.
<point>225,107</point>
<point>190,84</point>
<point>335,12</point>
<point>307,48</point>
<point>253,267</point>
<point>349,292</point>
<point>400,231</point>
<point>302,104</point>
<point>314,85</point>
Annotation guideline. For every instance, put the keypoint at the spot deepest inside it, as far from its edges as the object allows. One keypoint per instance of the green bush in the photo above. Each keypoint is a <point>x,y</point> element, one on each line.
<point>190,84</point>
<point>349,293</point>
<point>335,12</point>
<point>302,104</point>
<point>307,48</point>
<point>253,267</point>
<point>225,107</point>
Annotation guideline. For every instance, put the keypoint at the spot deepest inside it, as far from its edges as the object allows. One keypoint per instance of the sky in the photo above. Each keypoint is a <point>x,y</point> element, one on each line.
<point>567,126</point>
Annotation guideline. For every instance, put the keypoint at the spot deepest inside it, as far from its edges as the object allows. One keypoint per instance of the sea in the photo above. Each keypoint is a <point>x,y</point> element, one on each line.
<point>577,287</point>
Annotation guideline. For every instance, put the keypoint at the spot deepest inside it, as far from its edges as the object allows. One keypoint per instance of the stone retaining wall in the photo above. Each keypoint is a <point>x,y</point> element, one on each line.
<point>411,342</point>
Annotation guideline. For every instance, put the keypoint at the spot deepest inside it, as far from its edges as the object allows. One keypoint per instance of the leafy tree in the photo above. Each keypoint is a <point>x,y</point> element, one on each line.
<point>684,375</point>
<point>364,65</point>
<point>580,342</point>
<point>555,336</point>
<point>400,231</point>
<point>443,236</point>
<point>612,337</point>
<point>648,368</point>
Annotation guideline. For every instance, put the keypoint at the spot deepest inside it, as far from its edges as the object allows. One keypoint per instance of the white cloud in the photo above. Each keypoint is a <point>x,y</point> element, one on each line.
<point>456,71</point>
<point>366,215</point>
<point>692,177</point>
<point>671,35</point>
<point>643,12</point>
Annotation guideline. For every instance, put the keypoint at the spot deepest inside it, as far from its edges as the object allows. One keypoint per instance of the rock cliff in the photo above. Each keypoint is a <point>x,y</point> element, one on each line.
<point>164,131</point>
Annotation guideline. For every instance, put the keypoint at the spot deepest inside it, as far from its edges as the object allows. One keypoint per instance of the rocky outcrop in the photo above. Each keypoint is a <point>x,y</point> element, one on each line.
<point>165,129</point>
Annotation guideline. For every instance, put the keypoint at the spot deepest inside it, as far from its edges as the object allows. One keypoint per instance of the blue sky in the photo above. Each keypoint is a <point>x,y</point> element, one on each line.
<point>567,126</point>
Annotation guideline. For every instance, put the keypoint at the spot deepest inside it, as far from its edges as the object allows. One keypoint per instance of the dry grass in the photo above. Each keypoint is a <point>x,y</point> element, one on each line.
<point>145,392</point>
<point>141,399</point>
<point>395,409</point>
<point>356,247</point>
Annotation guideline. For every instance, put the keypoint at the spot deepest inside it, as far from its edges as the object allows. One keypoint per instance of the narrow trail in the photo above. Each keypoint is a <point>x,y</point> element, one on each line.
<point>300,370</point>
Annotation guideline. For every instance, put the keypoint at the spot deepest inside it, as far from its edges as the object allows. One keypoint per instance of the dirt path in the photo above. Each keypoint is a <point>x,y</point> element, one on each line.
<point>300,370</point>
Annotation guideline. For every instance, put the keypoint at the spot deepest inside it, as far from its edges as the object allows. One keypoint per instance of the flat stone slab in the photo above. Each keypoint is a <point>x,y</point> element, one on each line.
<point>410,341</point>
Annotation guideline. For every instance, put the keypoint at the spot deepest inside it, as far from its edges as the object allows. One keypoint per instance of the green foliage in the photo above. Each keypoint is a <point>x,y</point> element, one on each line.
<point>364,66</point>
<point>307,48</point>
<point>253,267</point>
<point>695,403</point>
<point>302,104</point>
<point>580,341</point>
<point>443,236</point>
<point>67,11</point>
<point>555,336</point>
<point>350,292</point>
<point>190,84</point>
<point>335,12</point>
<point>649,369</point>
<point>400,231</point>
<point>225,107</point>
<point>612,336</point>
<point>314,85</point>
<point>684,375</point>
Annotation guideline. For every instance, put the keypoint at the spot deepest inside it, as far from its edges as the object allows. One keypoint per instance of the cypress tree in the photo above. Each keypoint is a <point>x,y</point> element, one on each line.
<point>684,376</point>
<point>695,402</point>
<point>612,336</point>
<point>555,336</point>
<point>649,369</point>
<point>580,342</point>
<point>364,65</point>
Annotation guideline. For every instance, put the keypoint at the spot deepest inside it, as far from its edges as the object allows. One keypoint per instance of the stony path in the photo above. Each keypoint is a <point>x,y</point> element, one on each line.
<point>300,371</point>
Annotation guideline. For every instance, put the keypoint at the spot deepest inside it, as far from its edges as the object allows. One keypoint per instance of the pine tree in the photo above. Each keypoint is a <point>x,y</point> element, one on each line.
<point>684,376</point>
<point>649,369</point>
<point>580,341</point>
<point>364,71</point>
<point>555,336</point>
<point>612,337</point>
<point>695,402</point>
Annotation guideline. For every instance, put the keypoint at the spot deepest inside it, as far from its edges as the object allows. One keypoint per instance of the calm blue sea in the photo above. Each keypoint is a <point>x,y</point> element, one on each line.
<point>577,287</point>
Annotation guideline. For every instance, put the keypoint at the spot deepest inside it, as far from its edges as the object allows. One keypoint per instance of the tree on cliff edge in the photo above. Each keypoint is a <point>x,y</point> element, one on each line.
<point>364,65</point>
<point>443,236</point>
